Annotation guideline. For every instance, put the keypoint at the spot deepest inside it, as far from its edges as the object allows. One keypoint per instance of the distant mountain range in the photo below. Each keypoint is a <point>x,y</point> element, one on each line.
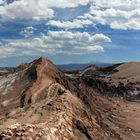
<point>69,67</point>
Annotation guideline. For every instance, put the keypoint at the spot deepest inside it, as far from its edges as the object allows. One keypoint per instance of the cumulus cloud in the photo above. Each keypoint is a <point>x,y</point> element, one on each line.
<point>132,24</point>
<point>70,24</point>
<point>65,3</point>
<point>115,13</point>
<point>36,9</point>
<point>121,4</point>
<point>56,42</point>
<point>28,31</point>
<point>119,14</point>
<point>76,42</point>
<point>26,9</point>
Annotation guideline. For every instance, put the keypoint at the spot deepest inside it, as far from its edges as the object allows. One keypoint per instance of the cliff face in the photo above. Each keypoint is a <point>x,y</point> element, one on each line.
<point>39,102</point>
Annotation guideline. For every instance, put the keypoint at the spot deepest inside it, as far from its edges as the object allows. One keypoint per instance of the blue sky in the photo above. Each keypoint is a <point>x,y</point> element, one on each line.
<point>69,31</point>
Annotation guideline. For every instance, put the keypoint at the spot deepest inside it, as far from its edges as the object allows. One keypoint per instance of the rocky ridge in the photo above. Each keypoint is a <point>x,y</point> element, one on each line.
<point>49,105</point>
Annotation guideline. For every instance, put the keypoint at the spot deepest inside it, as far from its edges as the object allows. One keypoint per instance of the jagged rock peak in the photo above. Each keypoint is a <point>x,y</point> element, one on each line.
<point>42,60</point>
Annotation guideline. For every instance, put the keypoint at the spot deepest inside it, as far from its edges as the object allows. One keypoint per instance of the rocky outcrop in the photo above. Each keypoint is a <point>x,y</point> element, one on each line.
<point>129,91</point>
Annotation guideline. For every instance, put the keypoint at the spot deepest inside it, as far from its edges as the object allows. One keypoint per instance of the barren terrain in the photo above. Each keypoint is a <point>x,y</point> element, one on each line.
<point>40,102</point>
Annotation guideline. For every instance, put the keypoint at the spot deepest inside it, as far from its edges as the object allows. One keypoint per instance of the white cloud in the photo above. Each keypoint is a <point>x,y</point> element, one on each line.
<point>64,3</point>
<point>65,25</point>
<point>132,24</point>
<point>26,9</point>
<point>119,14</point>
<point>36,9</point>
<point>56,42</point>
<point>28,31</point>
<point>78,37</point>
<point>119,4</point>
<point>70,24</point>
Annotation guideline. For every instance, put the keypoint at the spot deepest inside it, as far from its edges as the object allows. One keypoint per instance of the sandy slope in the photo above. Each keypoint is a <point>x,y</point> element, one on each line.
<point>130,71</point>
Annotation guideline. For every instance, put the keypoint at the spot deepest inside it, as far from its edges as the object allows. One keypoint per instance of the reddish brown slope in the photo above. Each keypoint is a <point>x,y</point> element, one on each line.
<point>27,82</point>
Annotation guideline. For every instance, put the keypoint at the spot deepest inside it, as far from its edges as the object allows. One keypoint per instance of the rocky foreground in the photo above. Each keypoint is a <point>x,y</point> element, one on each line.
<point>39,102</point>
